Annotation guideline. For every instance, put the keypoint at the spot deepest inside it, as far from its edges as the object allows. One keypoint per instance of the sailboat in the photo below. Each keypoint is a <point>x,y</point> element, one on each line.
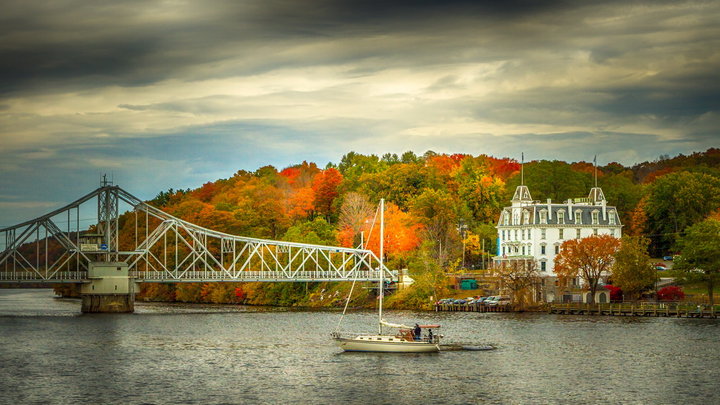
<point>406,339</point>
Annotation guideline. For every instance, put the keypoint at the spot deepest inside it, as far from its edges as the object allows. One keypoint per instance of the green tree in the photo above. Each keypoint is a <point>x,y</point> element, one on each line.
<point>621,192</point>
<point>632,271</point>
<point>437,210</point>
<point>700,255</point>
<point>318,232</point>
<point>552,179</point>
<point>678,200</point>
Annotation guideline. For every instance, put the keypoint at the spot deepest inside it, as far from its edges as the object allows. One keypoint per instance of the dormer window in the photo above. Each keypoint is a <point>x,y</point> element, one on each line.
<point>595,217</point>
<point>578,217</point>
<point>526,217</point>
<point>543,217</point>
<point>516,219</point>
<point>561,217</point>
<point>611,217</point>
<point>506,218</point>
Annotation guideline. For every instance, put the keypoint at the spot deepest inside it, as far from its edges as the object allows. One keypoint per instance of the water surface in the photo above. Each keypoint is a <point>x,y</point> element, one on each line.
<point>51,353</point>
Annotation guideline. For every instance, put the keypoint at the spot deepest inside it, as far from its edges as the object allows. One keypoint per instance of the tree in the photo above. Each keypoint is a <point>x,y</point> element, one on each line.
<point>632,270</point>
<point>437,210</point>
<point>678,200</point>
<point>518,276</point>
<point>700,255</point>
<point>552,179</point>
<point>325,187</point>
<point>590,258</point>
<point>354,211</point>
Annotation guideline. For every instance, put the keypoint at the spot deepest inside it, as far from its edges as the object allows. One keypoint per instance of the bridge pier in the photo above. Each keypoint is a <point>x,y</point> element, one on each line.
<point>109,290</point>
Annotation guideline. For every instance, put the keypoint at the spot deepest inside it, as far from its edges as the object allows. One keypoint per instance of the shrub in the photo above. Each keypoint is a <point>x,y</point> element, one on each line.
<point>616,293</point>
<point>671,293</point>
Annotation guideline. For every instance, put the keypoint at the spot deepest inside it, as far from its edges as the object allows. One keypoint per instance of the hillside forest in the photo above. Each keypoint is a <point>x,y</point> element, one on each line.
<point>441,212</point>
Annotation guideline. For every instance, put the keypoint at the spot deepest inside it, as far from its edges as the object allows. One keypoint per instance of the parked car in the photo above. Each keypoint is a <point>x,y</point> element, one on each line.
<point>488,300</point>
<point>498,301</point>
<point>668,258</point>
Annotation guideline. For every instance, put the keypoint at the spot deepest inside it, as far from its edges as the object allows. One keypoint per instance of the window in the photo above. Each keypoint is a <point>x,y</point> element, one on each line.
<point>611,217</point>
<point>557,249</point>
<point>516,219</point>
<point>595,231</point>
<point>542,249</point>
<point>561,217</point>
<point>578,217</point>
<point>542,266</point>
<point>506,218</point>
<point>595,219</point>
<point>560,236</point>
<point>542,234</point>
<point>543,217</point>
<point>516,235</point>
<point>577,233</point>
<point>526,217</point>
<point>612,232</point>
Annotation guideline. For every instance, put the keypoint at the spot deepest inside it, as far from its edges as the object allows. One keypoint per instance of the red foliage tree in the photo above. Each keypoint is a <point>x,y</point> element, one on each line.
<point>616,293</point>
<point>325,187</point>
<point>671,293</point>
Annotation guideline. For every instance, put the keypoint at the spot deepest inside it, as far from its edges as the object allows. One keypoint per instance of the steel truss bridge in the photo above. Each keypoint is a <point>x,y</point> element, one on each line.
<point>157,247</point>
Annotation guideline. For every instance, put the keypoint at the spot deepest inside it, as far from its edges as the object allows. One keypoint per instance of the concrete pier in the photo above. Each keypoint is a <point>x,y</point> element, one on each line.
<point>109,289</point>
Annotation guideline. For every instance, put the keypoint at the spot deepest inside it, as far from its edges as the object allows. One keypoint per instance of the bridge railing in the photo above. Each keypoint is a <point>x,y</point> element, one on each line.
<point>59,277</point>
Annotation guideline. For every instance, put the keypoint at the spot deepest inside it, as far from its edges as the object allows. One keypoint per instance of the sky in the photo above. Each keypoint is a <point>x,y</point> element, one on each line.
<point>173,94</point>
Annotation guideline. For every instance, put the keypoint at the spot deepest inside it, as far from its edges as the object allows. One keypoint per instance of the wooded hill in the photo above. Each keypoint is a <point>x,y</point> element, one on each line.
<point>432,201</point>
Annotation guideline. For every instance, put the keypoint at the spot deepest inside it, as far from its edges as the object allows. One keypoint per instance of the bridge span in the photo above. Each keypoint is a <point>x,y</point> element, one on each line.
<point>146,244</point>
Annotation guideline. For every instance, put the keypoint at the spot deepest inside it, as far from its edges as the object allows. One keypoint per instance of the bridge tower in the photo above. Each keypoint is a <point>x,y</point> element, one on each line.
<point>110,288</point>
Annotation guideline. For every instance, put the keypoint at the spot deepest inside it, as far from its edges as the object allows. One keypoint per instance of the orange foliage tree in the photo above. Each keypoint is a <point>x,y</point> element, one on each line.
<point>401,232</point>
<point>587,257</point>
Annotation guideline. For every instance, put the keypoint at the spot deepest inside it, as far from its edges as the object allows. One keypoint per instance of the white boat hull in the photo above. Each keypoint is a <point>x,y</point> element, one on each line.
<point>386,344</point>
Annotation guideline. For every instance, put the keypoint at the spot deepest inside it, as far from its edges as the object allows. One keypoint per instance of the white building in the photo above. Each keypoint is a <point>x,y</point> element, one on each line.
<point>534,230</point>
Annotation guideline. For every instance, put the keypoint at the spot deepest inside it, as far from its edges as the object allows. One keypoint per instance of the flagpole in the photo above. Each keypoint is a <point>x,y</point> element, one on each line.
<point>382,266</point>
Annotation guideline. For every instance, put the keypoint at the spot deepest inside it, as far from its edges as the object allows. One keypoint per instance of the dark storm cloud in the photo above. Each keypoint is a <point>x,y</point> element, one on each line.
<point>73,44</point>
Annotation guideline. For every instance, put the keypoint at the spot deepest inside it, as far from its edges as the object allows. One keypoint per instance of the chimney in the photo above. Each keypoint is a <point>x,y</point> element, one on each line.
<point>549,210</point>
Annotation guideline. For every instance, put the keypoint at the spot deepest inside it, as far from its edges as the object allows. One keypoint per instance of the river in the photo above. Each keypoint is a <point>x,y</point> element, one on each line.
<point>196,354</point>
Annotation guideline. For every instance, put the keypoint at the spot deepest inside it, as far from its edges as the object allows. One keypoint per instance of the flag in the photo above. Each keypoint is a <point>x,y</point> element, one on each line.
<point>522,157</point>
<point>595,160</point>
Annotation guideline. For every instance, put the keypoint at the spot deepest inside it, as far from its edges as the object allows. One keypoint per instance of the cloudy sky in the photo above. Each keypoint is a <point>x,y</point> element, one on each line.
<point>163,94</point>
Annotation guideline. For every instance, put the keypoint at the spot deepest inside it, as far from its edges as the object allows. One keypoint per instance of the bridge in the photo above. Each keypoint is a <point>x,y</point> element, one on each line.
<point>147,245</point>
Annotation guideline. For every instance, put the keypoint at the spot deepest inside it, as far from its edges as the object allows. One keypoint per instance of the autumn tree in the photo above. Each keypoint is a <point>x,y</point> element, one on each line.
<point>632,270</point>
<point>590,258</point>
<point>354,211</point>
<point>401,232</point>
<point>700,255</point>
<point>479,190</point>
<point>325,187</point>
<point>518,276</point>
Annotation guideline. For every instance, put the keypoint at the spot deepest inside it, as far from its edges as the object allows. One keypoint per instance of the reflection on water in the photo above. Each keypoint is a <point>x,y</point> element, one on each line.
<point>219,354</point>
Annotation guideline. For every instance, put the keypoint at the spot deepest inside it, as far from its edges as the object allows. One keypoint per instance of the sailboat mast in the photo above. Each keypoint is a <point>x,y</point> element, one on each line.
<point>382,267</point>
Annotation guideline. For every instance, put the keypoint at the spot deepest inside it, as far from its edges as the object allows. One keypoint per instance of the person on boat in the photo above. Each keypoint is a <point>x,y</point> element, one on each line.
<point>417,331</point>
<point>430,335</point>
